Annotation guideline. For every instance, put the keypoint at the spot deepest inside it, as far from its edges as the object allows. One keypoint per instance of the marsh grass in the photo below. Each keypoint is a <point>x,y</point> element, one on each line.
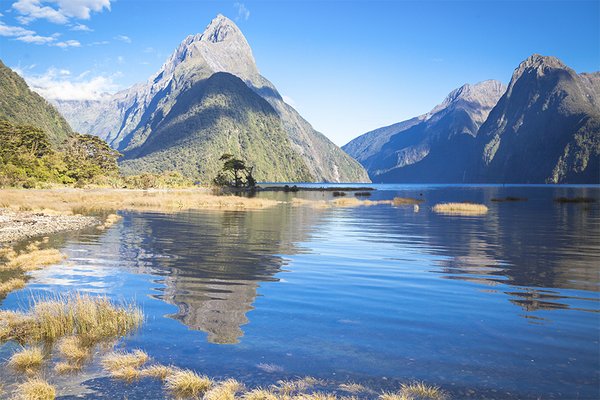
<point>72,201</point>
<point>28,359</point>
<point>63,368</point>
<point>29,259</point>
<point>406,201</point>
<point>352,387</point>
<point>184,384</point>
<point>157,371</point>
<point>73,349</point>
<point>415,391</point>
<point>36,389</point>
<point>225,390</point>
<point>469,209</point>
<point>574,200</point>
<point>259,394</point>
<point>338,202</point>
<point>11,284</point>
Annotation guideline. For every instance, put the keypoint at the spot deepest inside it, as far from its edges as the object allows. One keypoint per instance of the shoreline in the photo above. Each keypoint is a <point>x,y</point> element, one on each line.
<point>21,225</point>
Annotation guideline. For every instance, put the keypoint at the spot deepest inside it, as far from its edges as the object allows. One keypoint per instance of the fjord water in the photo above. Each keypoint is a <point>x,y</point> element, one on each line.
<point>504,305</point>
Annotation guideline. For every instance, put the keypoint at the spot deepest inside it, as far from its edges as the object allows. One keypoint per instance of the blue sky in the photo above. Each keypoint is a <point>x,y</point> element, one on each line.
<point>347,66</point>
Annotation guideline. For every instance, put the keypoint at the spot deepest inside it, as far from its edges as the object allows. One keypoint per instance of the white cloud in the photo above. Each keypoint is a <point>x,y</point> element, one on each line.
<point>242,11</point>
<point>58,11</point>
<point>36,39</point>
<point>67,43</point>
<point>123,38</point>
<point>13,31</point>
<point>101,43</point>
<point>82,28</point>
<point>54,84</point>
<point>120,60</point>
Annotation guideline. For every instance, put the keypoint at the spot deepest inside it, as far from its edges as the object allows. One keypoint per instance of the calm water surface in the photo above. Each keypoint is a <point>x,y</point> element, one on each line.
<point>500,306</point>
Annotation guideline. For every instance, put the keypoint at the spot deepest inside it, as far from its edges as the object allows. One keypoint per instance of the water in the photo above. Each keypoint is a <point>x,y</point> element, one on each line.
<point>500,306</point>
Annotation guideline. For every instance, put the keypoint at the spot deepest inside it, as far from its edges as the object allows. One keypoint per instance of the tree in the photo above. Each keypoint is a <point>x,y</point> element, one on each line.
<point>89,156</point>
<point>234,173</point>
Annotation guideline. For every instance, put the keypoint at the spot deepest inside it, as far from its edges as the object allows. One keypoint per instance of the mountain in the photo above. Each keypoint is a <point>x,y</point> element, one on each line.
<point>545,128</point>
<point>138,121</point>
<point>432,147</point>
<point>21,106</point>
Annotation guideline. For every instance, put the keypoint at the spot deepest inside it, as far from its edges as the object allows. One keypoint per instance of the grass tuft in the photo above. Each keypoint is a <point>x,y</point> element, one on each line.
<point>225,390</point>
<point>260,394</point>
<point>406,201</point>
<point>27,360</point>
<point>10,285</point>
<point>157,371</point>
<point>36,389</point>
<point>185,384</point>
<point>460,209</point>
<point>422,391</point>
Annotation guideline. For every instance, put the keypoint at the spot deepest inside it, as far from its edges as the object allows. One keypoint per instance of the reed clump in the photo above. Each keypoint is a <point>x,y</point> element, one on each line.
<point>109,221</point>
<point>91,319</point>
<point>259,394</point>
<point>27,359</point>
<point>187,384</point>
<point>10,285</point>
<point>157,371</point>
<point>460,209</point>
<point>415,391</point>
<point>29,259</point>
<point>36,389</point>
<point>226,390</point>
<point>406,201</point>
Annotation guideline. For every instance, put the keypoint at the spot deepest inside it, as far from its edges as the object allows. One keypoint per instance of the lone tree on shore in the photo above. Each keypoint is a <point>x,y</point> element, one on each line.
<point>235,173</point>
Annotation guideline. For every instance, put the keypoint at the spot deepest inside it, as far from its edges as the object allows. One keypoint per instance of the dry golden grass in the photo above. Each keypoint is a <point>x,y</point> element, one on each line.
<point>352,387</point>
<point>157,371</point>
<point>27,360</point>
<point>120,360</point>
<point>69,201</point>
<point>91,319</point>
<point>415,391</point>
<point>73,349</point>
<point>62,368</point>
<point>423,391</point>
<point>315,396</point>
<point>187,384</point>
<point>30,259</point>
<point>11,284</point>
<point>259,394</point>
<point>406,201</point>
<point>36,389</point>
<point>460,209</point>
<point>225,390</point>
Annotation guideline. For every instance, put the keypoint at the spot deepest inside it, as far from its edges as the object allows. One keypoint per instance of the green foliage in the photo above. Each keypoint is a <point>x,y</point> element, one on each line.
<point>28,160</point>
<point>19,105</point>
<point>234,173</point>
<point>169,179</point>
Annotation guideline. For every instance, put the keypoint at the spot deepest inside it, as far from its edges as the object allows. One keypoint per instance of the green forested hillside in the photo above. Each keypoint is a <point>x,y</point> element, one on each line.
<point>215,116</point>
<point>20,105</point>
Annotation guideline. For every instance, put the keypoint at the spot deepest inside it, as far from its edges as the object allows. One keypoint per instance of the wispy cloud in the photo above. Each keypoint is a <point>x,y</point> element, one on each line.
<point>36,39</point>
<point>59,84</point>
<point>289,100</point>
<point>242,11</point>
<point>123,38</point>
<point>58,11</point>
<point>81,28</point>
<point>14,31</point>
<point>67,43</point>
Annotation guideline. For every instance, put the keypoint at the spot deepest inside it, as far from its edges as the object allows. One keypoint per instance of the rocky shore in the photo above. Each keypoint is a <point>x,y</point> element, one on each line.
<point>19,225</point>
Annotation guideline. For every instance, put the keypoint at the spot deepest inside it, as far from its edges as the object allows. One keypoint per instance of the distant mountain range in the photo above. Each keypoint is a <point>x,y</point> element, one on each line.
<point>208,99</point>
<point>21,106</point>
<point>543,128</point>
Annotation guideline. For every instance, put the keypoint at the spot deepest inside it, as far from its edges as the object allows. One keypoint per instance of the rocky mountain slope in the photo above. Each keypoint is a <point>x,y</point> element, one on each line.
<point>543,128</point>
<point>19,105</point>
<point>417,149</point>
<point>129,119</point>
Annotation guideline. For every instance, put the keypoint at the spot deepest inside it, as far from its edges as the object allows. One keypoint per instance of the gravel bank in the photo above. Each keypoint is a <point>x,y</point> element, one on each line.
<point>19,225</point>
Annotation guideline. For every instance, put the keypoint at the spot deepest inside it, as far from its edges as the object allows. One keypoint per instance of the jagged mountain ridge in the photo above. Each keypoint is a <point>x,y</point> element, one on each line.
<point>126,120</point>
<point>424,139</point>
<point>19,105</point>
<point>544,128</point>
